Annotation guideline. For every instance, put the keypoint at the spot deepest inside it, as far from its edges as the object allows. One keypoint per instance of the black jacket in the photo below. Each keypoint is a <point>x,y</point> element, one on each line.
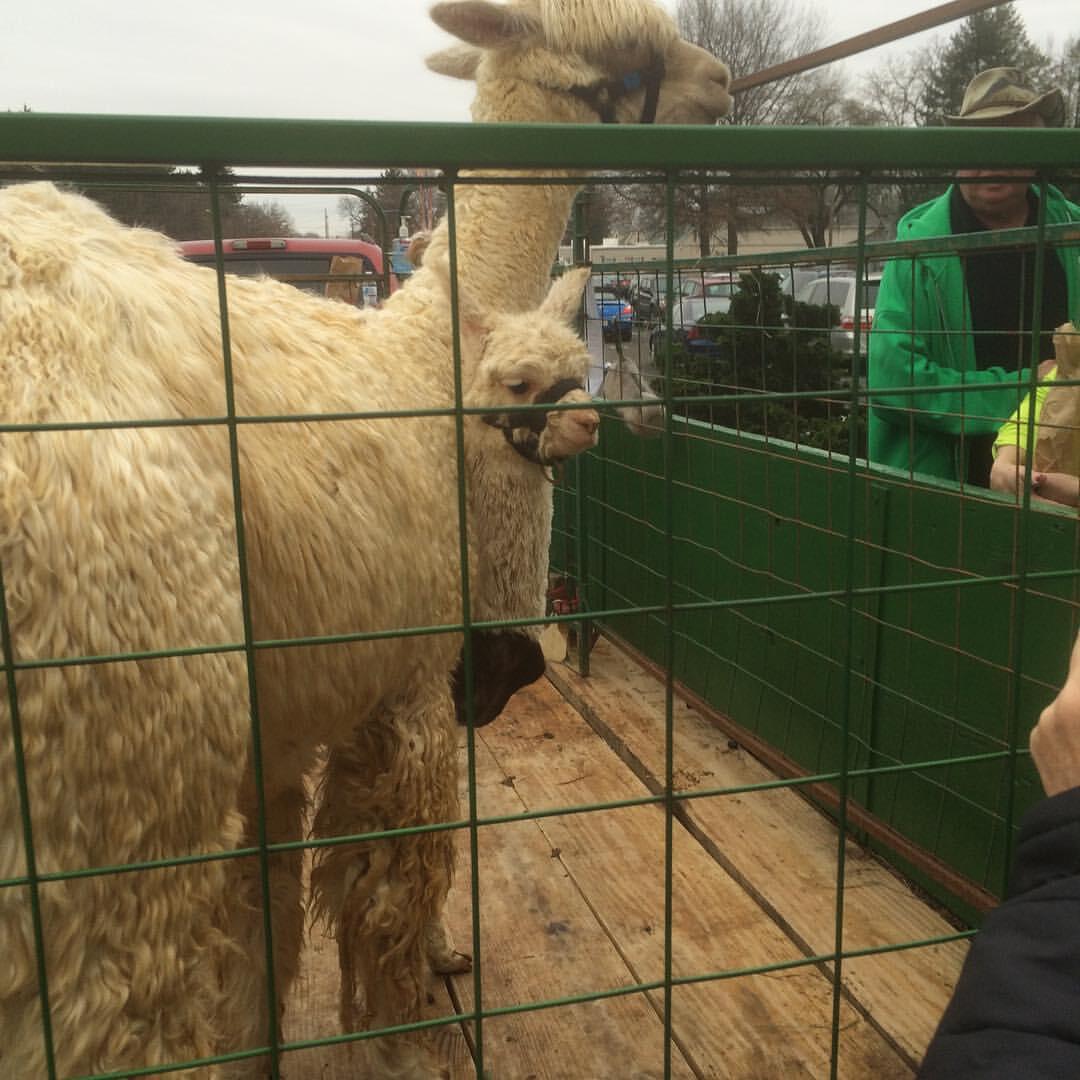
<point>1015,1014</point>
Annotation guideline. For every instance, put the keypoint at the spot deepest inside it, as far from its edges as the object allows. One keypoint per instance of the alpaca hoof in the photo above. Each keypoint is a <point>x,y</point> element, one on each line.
<point>442,957</point>
<point>452,963</point>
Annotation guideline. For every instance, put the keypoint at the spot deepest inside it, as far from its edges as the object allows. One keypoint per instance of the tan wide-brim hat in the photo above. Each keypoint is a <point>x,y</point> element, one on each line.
<point>1003,94</point>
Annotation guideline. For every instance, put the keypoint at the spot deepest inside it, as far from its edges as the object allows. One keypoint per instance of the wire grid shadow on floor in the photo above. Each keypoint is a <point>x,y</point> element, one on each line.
<point>882,640</point>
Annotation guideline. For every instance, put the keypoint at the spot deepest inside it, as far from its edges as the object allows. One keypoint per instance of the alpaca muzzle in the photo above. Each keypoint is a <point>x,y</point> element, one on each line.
<point>544,437</point>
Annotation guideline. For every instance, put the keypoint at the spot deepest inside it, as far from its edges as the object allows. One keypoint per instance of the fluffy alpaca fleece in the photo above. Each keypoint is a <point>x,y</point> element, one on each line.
<point>526,58</point>
<point>125,540</point>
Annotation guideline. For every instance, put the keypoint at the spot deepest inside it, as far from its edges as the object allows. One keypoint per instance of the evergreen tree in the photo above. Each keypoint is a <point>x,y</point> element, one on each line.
<point>993,38</point>
<point>754,351</point>
<point>1064,73</point>
<point>601,206</point>
<point>362,218</point>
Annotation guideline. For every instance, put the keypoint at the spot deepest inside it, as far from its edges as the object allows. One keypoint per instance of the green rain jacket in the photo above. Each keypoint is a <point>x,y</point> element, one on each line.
<point>919,340</point>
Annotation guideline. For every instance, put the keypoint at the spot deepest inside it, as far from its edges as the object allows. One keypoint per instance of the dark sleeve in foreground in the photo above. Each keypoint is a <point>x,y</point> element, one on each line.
<point>1015,1014</point>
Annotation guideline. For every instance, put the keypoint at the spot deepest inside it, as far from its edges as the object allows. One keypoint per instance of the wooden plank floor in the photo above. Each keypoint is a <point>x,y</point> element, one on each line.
<point>573,905</point>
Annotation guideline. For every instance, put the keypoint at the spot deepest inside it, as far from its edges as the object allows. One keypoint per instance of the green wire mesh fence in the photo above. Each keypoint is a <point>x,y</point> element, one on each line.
<point>880,639</point>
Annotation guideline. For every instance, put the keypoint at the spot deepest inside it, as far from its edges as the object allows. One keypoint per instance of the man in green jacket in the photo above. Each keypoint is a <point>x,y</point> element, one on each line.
<point>942,320</point>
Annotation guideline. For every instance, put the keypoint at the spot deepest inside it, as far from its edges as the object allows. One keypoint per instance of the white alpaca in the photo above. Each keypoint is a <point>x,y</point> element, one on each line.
<point>573,61</point>
<point>510,516</point>
<point>123,540</point>
<point>554,60</point>
<point>511,358</point>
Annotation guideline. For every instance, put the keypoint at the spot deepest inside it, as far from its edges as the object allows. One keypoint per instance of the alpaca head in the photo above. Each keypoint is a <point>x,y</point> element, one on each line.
<point>625,380</point>
<point>579,61</point>
<point>530,358</point>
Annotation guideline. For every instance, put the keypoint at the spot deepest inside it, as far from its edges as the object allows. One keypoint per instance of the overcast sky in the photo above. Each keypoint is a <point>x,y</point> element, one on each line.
<point>345,59</point>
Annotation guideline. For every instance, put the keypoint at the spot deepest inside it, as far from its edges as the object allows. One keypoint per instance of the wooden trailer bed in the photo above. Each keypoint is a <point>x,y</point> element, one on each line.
<point>574,904</point>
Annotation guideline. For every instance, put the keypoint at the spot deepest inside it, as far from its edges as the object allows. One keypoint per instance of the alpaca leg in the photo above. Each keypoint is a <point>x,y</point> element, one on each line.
<point>284,822</point>
<point>138,994</point>
<point>136,963</point>
<point>381,897</point>
<point>439,947</point>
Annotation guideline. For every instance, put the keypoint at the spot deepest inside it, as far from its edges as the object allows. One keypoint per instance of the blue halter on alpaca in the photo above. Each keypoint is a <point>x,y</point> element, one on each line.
<point>603,95</point>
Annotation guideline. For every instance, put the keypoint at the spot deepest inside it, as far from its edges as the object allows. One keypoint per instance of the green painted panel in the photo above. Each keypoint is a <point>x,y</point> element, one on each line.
<point>927,666</point>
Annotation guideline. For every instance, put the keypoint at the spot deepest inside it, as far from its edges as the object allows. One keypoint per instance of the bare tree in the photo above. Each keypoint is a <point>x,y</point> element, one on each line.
<point>894,91</point>
<point>259,218</point>
<point>750,35</point>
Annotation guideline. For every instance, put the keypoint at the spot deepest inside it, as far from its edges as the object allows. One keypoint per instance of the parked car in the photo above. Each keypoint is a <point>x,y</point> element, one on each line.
<point>715,285</point>
<point>840,292</point>
<point>614,310</point>
<point>645,300</point>
<point>687,329</point>
<point>825,289</point>
<point>308,263</point>
<point>648,295</point>
<point>793,279</point>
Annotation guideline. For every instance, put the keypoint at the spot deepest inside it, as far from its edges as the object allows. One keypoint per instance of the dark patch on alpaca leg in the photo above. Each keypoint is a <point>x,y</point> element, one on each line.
<point>503,662</point>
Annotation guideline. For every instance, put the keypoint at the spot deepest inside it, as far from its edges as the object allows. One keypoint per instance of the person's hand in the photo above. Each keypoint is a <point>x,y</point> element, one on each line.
<point>1055,739</point>
<point>1056,487</point>
<point>1008,472</point>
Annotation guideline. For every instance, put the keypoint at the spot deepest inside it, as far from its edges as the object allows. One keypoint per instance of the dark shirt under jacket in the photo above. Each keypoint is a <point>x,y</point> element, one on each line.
<point>1000,287</point>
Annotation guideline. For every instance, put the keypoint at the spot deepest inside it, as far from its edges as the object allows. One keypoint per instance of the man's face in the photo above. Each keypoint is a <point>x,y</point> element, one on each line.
<point>998,196</point>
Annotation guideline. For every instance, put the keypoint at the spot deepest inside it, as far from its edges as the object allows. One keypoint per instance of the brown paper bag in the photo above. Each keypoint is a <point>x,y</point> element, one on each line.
<point>1057,437</point>
<point>349,291</point>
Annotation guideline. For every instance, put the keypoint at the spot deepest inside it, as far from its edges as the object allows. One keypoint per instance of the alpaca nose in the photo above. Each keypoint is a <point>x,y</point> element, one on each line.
<point>705,81</point>
<point>589,420</point>
<point>720,73</point>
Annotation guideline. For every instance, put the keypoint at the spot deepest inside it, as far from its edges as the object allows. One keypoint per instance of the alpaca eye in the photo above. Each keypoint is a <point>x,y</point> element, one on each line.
<point>516,387</point>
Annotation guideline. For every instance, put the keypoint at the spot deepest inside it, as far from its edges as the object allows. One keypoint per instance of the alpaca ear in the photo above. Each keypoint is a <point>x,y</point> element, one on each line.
<point>483,24</point>
<point>458,62</point>
<point>563,300</point>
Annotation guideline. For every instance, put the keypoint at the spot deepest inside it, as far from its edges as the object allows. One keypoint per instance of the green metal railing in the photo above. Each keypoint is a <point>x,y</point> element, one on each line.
<point>830,571</point>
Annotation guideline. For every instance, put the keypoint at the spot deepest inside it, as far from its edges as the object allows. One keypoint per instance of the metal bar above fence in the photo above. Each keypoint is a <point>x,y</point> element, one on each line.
<point>216,142</point>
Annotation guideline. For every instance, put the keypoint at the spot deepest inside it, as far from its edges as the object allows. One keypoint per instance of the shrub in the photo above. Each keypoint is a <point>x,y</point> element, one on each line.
<point>765,344</point>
